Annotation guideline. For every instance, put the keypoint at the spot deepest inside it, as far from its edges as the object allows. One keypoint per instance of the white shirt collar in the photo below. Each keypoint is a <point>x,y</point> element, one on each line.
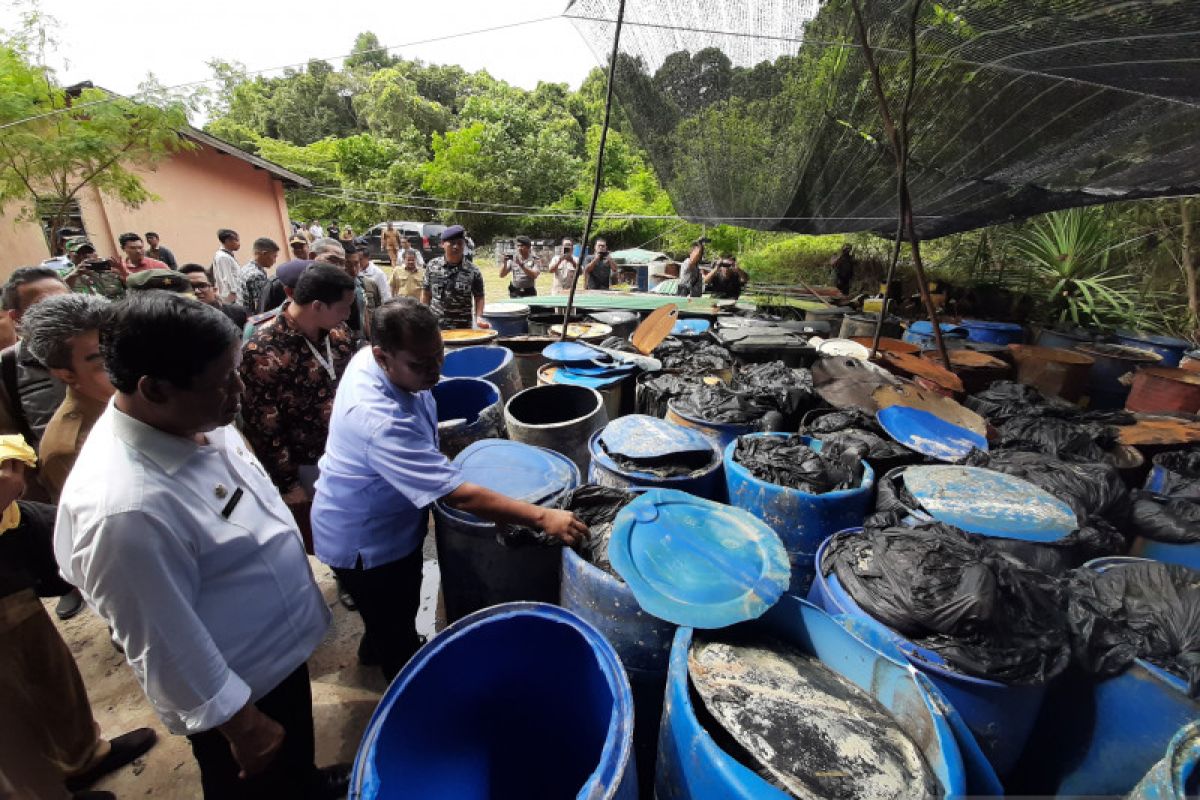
<point>168,451</point>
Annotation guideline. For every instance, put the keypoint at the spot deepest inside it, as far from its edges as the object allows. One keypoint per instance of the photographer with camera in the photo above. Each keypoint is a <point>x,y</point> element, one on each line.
<point>563,268</point>
<point>524,269</point>
<point>726,280</point>
<point>690,283</point>
<point>92,274</point>
<point>599,269</point>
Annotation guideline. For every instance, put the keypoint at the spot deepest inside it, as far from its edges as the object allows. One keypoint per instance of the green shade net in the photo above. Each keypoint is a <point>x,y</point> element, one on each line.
<point>760,112</point>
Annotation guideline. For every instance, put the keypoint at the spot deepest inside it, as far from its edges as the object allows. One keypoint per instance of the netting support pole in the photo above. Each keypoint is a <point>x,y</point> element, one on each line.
<point>591,215</point>
<point>898,136</point>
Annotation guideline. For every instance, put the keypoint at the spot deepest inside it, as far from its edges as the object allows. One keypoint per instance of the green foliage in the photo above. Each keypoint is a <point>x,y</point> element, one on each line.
<point>783,260</point>
<point>64,143</point>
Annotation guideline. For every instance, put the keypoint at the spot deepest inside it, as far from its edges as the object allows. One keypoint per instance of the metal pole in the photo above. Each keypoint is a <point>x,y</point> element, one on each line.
<point>587,228</point>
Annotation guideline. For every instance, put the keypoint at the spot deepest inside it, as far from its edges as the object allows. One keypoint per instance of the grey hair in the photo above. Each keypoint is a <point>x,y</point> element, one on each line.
<point>49,326</point>
<point>327,245</point>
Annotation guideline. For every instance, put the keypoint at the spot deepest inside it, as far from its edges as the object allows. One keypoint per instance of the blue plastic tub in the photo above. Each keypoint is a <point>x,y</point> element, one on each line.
<point>513,702</point>
<point>691,766</point>
<point>921,332</point>
<point>468,409</point>
<point>1000,716</point>
<point>1177,776</point>
<point>1112,361</point>
<point>1171,349</point>
<point>802,520</point>
<point>720,432</point>
<point>1187,555</point>
<point>507,319</point>
<point>490,362</point>
<point>642,642</point>
<point>685,328</point>
<point>1002,333</point>
<point>706,483</point>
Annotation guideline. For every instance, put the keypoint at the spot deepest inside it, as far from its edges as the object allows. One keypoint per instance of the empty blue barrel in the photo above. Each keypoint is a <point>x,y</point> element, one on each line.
<point>1112,362</point>
<point>518,701</point>
<point>477,570</point>
<point>692,766</point>
<point>468,409</point>
<point>802,520</point>
<point>1170,348</point>
<point>921,332</point>
<point>507,319</point>
<point>1177,776</point>
<point>1068,339</point>
<point>720,432</point>
<point>651,437</point>
<point>642,641</point>
<point>1000,715</point>
<point>1002,333</point>
<point>490,362</point>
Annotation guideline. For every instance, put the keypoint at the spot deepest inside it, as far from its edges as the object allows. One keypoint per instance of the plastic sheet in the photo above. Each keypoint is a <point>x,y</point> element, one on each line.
<point>776,385</point>
<point>866,445</point>
<point>597,506</point>
<point>1144,610</point>
<point>986,613</point>
<point>822,421</point>
<point>693,356</point>
<point>1173,520</point>
<point>720,404</point>
<point>788,461</point>
<point>1181,473</point>
<point>656,391</point>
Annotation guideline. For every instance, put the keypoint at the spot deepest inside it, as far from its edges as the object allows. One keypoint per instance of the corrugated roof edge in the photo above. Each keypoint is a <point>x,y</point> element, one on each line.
<point>287,176</point>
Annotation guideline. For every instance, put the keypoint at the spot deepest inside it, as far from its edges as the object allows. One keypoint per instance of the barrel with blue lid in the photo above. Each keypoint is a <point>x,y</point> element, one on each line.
<point>638,438</point>
<point>1172,349</point>
<point>802,520</point>
<point>516,701</point>
<point>1002,333</point>
<point>929,434</point>
<point>1106,387</point>
<point>489,362</point>
<point>722,433</point>
<point>477,570</point>
<point>692,766</point>
<point>1001,716</point>
<point>690,328</point>
<point>507,319</point>
<point>468,409</point>
<point>921,332</point>
<point>1177,776</point>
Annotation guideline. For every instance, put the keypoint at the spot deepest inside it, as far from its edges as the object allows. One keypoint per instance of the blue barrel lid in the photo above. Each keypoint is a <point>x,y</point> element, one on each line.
<point>569,376</point>
<point>929,434</point>
<point>698,563</point>
<point>516,470</point>
<point>1161,341</point>
<point>506,310</point>
<point>986,325</point>
<point>641,437</point>
<point>925,328</point>
<point>989,502</point>
<point>570,352</point>
<point>690,327</point>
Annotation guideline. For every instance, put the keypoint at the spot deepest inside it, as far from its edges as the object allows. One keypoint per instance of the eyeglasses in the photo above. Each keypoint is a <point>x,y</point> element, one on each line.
<point>196,287</point>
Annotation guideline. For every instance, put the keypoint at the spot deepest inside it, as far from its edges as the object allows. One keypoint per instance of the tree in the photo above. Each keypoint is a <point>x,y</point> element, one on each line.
<point>391,105</point>
<point>54,142</point>
<point>368,54</point>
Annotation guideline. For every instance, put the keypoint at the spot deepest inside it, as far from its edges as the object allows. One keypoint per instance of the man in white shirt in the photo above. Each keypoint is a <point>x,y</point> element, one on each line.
<point>563,268</point>
<point>225,267</point>
<point>178,538</point>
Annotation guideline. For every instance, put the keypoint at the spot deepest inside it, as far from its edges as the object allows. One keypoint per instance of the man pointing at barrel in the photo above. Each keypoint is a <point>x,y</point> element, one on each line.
<point>381,471</point>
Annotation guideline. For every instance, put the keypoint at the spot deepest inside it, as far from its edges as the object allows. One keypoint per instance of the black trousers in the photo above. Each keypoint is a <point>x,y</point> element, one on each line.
<point>387,597</point>
<point>528,291</point>
<point>293,773</point>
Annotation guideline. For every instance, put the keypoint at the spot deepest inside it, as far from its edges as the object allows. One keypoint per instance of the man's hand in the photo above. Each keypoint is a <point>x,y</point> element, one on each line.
<point>254,739</point>
<point>12,482</point>
<point>562,525</point>
<point>483,324</point>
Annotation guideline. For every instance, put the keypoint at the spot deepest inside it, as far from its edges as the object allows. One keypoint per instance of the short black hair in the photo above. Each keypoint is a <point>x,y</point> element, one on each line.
<point>225,234</point>
<point>265,243</point>
<point>187,269</point>
<point>151,233</point>
<point>165,336</point>
<point>22,276</point>
<point>126,238</point>
<point>400,320</point>
<point>324,282</point>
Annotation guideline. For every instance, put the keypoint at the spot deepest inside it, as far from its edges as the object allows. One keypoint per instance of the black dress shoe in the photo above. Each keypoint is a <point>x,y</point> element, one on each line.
<point>69,605</point>
<point>331,782</point>
<point>344,597</point>
<point>122,750</point>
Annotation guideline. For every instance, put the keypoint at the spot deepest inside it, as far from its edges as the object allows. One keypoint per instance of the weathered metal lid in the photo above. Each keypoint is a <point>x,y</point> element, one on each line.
<point>520,471</point>
<point>644,438</point>
<point>929,434</point>
<point>695,562</point>
<point>989,502</point>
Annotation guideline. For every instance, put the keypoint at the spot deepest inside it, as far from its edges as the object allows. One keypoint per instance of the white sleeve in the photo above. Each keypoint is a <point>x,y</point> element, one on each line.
<point>143,579</point>
<point>225,274</point>
<point>381,280</point>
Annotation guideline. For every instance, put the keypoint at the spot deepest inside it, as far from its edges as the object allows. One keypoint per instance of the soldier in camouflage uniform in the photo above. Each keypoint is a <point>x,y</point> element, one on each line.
<point>453,286</point>
<point>92,275</point>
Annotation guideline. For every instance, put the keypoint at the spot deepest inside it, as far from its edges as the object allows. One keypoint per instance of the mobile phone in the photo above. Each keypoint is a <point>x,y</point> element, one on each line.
<point>98,264</point>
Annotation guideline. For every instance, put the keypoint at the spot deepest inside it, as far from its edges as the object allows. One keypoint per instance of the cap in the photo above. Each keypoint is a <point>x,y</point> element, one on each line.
<point>453,232</point>
<point>166,279</point>
<point>297,240</point>
<point>520,240</point>
<point>79,245</point>
<point>289,272</point>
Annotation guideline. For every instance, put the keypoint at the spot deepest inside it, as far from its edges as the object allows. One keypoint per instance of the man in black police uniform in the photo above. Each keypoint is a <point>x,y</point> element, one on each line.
<point>453,287</point>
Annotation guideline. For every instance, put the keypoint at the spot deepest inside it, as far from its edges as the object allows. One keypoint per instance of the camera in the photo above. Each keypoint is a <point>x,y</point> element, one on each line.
<point>98,264</point>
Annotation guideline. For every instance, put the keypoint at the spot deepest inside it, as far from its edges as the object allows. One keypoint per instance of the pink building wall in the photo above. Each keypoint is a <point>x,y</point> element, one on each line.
<point>198,191</point>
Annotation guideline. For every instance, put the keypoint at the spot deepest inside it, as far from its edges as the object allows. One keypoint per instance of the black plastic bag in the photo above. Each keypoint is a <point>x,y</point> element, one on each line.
<point>1180,473</point>
<point>1173,520</point>
<point>788,461</point>
<point>619,344</point>
<point>985,613</point>
<point>719,403</point>
<point>597,506</point>
<point>1004,400</point>
<point>704,355</point>
<point>1057,437</point>
<point>657,391</point>
<point>776,385</point>
<point>822,421</point>
<point>1091,489</point>
<point>1144,610</point>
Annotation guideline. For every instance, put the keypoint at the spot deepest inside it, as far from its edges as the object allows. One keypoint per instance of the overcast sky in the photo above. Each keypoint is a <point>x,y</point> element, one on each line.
<point>115,43</point>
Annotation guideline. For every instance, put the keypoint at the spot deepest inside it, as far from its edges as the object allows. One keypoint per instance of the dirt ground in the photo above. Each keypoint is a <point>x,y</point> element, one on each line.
<point>344,693</point>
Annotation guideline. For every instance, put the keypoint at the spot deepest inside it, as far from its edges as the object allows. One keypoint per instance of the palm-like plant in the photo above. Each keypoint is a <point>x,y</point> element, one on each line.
<point>1070,252</point>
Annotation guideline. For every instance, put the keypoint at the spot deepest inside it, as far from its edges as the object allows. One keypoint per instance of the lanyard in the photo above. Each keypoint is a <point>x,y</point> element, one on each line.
<point>327,361</point>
